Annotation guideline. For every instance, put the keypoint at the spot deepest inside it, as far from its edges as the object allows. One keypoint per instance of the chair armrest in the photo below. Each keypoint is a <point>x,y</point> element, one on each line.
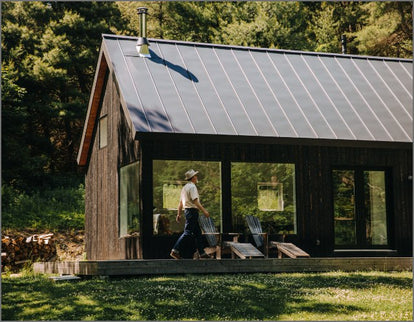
<point>235,236</point>
<point>216,234</point>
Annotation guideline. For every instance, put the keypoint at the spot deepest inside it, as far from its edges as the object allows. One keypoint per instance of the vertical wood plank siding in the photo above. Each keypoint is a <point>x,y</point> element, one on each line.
<point>102,179</point>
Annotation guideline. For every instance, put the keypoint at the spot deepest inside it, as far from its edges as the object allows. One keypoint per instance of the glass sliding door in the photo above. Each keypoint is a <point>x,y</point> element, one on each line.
<point>344,207</point>
<point>360,208</point>
<point>375,208</point>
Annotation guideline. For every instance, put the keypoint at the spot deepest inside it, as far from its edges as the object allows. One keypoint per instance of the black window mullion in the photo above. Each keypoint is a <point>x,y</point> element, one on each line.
<point>360,208</point>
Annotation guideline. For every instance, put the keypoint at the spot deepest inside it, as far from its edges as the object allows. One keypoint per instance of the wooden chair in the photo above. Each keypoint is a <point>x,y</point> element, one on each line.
<point>217,245</point>
<point>213,237</point>
<point>261,240</point>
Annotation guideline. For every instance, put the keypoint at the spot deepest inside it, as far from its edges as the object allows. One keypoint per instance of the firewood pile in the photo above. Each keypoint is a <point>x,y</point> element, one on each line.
<point>17,251</point>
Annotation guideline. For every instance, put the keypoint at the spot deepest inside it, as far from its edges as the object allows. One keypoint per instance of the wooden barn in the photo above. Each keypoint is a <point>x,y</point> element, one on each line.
<point>318,146</point>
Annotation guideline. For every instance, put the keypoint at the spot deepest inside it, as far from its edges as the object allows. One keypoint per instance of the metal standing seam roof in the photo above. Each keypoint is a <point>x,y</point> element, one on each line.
<point>196,88</point>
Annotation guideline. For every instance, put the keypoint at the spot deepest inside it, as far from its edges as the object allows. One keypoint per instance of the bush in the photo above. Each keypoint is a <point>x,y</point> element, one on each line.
<point>60,208</point>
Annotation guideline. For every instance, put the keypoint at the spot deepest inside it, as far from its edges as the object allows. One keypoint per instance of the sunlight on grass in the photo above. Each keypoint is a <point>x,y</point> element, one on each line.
<point>35,310</point>
<point>236,288</point>
<point>257,285</point>
<point>331,296</point>
<point>86,300</point>
<point>168,279</point>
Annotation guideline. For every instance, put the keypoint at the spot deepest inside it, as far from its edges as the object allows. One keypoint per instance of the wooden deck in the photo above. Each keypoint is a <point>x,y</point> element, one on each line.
<point>188,266</point>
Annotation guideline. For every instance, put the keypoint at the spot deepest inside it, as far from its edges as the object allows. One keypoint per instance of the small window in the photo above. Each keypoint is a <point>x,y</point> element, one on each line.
<point>103,132</point>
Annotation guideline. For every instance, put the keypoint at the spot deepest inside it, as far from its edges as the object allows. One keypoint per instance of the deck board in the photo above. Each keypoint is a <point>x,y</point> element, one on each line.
<point>189,266</point>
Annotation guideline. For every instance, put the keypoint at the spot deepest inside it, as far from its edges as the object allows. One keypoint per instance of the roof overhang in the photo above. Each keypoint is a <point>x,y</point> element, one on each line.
<point>93,109</point>
<point>241,139</point>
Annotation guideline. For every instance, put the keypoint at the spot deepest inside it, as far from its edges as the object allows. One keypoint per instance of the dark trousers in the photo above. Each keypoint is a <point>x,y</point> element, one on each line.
<point>191,232</point>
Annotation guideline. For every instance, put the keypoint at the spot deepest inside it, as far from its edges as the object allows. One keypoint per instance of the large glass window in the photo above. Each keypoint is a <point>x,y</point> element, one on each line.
<point>265,190</point>
<point>344,207</point>
<point>360,208</point>
<point>129,200</point>
<point>168,180</point>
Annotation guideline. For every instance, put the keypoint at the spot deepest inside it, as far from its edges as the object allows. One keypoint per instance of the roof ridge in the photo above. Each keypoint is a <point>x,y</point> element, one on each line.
<point>281,51</point>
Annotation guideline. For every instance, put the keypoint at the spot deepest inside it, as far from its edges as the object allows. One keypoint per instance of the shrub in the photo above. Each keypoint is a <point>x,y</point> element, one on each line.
<point>60,208</point>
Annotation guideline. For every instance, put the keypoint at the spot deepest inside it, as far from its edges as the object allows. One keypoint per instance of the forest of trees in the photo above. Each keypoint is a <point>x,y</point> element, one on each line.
<point>50,51</point>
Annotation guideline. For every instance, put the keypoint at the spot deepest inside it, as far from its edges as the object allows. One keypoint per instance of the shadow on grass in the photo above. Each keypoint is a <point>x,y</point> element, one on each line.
<point>198,297</point>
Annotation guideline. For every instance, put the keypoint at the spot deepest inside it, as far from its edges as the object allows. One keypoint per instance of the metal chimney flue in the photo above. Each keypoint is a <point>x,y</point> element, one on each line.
<point>343,42</point>
<point>143,44</point>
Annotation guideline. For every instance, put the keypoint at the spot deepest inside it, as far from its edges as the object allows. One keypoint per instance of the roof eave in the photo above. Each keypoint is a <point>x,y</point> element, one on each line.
<point>245,139</point>
<point>93,108</point>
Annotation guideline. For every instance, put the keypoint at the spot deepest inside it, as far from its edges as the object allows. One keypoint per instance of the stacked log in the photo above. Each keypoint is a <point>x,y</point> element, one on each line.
<point>20,250</point>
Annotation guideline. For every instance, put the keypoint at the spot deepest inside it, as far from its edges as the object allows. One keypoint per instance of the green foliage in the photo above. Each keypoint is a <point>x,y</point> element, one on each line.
<point>61,208</point>
<point>49,52</point>
<point>332,296</point>
<point>389,30</point>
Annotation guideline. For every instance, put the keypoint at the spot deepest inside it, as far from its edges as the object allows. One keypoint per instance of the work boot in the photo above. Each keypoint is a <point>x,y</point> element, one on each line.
<point>175,254</point>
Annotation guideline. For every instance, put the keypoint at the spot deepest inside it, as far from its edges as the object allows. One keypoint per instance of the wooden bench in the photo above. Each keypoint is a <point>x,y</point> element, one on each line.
<point>289,250</point>
<point>244,250</point>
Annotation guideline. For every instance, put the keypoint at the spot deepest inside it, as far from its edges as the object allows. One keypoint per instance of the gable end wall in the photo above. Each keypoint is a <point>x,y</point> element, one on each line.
<point>102,180</point>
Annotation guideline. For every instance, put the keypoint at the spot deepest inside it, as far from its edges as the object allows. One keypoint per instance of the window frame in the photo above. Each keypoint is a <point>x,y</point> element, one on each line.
<point>103,130</point>
<point>220,222</point>
<point>120,233</point>
<point>360,214</point>
<point>296,217</point>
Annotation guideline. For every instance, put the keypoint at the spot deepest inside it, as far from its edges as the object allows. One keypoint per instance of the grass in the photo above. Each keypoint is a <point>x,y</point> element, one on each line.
<point>330,296</point>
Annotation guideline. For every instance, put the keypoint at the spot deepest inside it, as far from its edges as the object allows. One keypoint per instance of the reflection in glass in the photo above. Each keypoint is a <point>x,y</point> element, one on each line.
<point>375,204</point>
<point>265,190</point>
<point>129,199</point>
<point>270,196</point>
<point>344,207</point>
<point>168,181</point>
<point>171,192</point>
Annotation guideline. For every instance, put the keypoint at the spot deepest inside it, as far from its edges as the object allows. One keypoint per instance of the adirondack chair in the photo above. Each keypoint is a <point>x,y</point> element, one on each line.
<point>212,236</point>
<point>217,245</point>
<point>261,240</point>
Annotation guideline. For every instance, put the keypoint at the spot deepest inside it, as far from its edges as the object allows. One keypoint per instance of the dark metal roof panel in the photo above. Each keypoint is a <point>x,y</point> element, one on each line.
<point>227,90</point>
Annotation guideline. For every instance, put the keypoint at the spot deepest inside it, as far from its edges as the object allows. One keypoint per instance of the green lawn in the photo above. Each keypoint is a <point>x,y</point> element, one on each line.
<point>305,296</point>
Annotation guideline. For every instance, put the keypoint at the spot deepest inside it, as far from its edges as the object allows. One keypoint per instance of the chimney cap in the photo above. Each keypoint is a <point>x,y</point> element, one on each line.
<point>142,10</point>
<point>142,44</point>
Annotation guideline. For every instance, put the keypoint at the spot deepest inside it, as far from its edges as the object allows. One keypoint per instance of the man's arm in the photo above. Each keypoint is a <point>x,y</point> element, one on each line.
<point>180,209</point>
<point>199,206</point>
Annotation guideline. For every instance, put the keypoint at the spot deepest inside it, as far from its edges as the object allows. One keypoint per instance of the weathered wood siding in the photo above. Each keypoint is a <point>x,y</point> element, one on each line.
<point>314,164</point>
<point>102,179</point>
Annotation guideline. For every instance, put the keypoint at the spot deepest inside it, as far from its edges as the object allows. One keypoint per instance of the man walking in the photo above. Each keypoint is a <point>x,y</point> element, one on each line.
<point>190,201</point>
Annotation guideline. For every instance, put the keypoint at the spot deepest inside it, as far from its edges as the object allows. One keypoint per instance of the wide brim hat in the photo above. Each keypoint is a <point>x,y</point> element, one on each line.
<point>189,174</point>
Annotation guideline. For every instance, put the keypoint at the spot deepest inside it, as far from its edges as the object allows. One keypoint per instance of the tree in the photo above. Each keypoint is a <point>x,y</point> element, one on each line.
<point>52,49</point>
<point>334,19</point>
<point>389,30</point>
<point>271,24</point>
